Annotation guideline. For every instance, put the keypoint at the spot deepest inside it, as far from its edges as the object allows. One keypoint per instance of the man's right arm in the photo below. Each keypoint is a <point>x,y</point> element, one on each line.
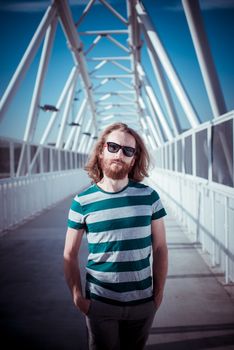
<point>71,268</point>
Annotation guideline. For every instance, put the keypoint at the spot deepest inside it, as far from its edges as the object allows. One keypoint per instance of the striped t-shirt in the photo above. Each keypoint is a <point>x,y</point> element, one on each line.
<point>118,227</point>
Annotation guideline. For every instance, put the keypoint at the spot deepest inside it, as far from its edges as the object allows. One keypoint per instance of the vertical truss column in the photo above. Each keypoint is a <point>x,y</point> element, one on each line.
<point>78,134</point>
<point>53,117</point>
<point>27,58</point>
<point>33,111</point>
<point>163,88</point>
<point>153,120</point>
<point>67,86</point>
<point>59,142</point>
<point>201,45</point>
<point>77,50</point>
<point>91,142</point>
<point>149,31</point>
<point>147,127</point>
<point>76,122</point>
<point>135,45</point>
<point>85,137</point>
<point>147,123</point>
<point>155,102</point>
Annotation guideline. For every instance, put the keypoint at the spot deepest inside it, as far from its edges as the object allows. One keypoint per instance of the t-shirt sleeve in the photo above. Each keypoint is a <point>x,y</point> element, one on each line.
<point>158,211</point>
<point>75,215</point>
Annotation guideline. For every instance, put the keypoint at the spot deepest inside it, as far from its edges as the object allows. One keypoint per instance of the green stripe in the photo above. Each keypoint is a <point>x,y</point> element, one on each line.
<point>136,184</point>
<point>159,214</point>
<point>75,206</point>
<point>123,266</point>
<point>121,287</point>
<point>117,224</point>
<point>128,244</point>
<point>119,202</point>
<point>89,190</point>
<point>154,197</point>
<point>94,296</point>
<point>75,225</point>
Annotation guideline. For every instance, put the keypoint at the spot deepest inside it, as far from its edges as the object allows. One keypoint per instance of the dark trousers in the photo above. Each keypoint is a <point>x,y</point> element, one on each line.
<point>113,327</point>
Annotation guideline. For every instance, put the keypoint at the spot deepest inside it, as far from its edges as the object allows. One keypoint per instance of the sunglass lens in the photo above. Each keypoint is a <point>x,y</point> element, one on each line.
<point>128,151</point>
<point>113,147</point>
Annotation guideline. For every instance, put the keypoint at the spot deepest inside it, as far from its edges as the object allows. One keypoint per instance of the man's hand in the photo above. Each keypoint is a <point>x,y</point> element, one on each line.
<point>82,303</point>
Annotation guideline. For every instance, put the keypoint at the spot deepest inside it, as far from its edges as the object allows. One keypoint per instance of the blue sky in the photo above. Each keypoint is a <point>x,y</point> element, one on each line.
<point>19,20</point>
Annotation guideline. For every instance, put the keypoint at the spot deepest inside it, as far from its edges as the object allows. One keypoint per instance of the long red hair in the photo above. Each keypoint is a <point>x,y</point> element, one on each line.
<point>142,160</point>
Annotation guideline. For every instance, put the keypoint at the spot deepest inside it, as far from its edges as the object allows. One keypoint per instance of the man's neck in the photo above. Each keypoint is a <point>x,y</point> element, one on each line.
<point>109,185</point>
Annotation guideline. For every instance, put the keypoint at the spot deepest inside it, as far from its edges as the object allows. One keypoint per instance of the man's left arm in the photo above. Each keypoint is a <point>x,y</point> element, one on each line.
<point>160,259</point>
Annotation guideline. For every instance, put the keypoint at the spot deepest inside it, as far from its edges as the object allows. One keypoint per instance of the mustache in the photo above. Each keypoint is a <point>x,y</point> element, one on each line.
<point>118,161</point>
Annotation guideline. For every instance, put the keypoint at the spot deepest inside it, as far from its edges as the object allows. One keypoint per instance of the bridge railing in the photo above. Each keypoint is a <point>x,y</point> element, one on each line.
<point>56,174</point>
<point>206,211</point>
<point>23,197</point>
<point>194,173</point>
<point>48,158</point>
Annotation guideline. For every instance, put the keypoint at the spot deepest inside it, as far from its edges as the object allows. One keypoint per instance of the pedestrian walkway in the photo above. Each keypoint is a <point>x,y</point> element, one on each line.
<point>37,311</point>
<point>197,312</point>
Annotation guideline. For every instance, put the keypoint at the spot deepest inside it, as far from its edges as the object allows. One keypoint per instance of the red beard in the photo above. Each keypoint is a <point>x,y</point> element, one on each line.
<point>115,169</point>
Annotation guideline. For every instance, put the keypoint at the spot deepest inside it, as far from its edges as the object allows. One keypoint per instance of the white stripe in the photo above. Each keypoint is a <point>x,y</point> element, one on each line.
<point>125,255</point>
<point>118,235</point>
<point>124,296</point>
<point>96,197</point>
<point>99,195</point>
<point>120,212</point>
<point>116,277</point>
<point>76,198</point>
<point>74,216</point>
<point>157,205</point>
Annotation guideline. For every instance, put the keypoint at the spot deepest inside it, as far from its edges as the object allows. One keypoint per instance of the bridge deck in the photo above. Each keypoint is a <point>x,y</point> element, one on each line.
<point>36,307</point>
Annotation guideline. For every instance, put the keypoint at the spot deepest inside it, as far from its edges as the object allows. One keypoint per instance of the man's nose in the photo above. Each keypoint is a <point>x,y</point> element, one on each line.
<point>119,154</point>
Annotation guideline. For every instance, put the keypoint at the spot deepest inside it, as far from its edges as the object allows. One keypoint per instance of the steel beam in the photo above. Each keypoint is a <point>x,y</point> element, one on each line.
<point>77,121</point>
<point>171,111</point>
<point>77,50</point>
<point>33,111</point>
<point>70,97</point>
<point>150,31</point>
<point>27,59</point>
<point>201,45</point>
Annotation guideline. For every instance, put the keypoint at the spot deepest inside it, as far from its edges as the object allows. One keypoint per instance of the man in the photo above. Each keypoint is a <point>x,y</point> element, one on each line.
<point>123,220</point>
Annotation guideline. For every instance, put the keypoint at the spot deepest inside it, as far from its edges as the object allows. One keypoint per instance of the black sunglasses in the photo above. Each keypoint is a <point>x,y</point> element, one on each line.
<point>114,148</point>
